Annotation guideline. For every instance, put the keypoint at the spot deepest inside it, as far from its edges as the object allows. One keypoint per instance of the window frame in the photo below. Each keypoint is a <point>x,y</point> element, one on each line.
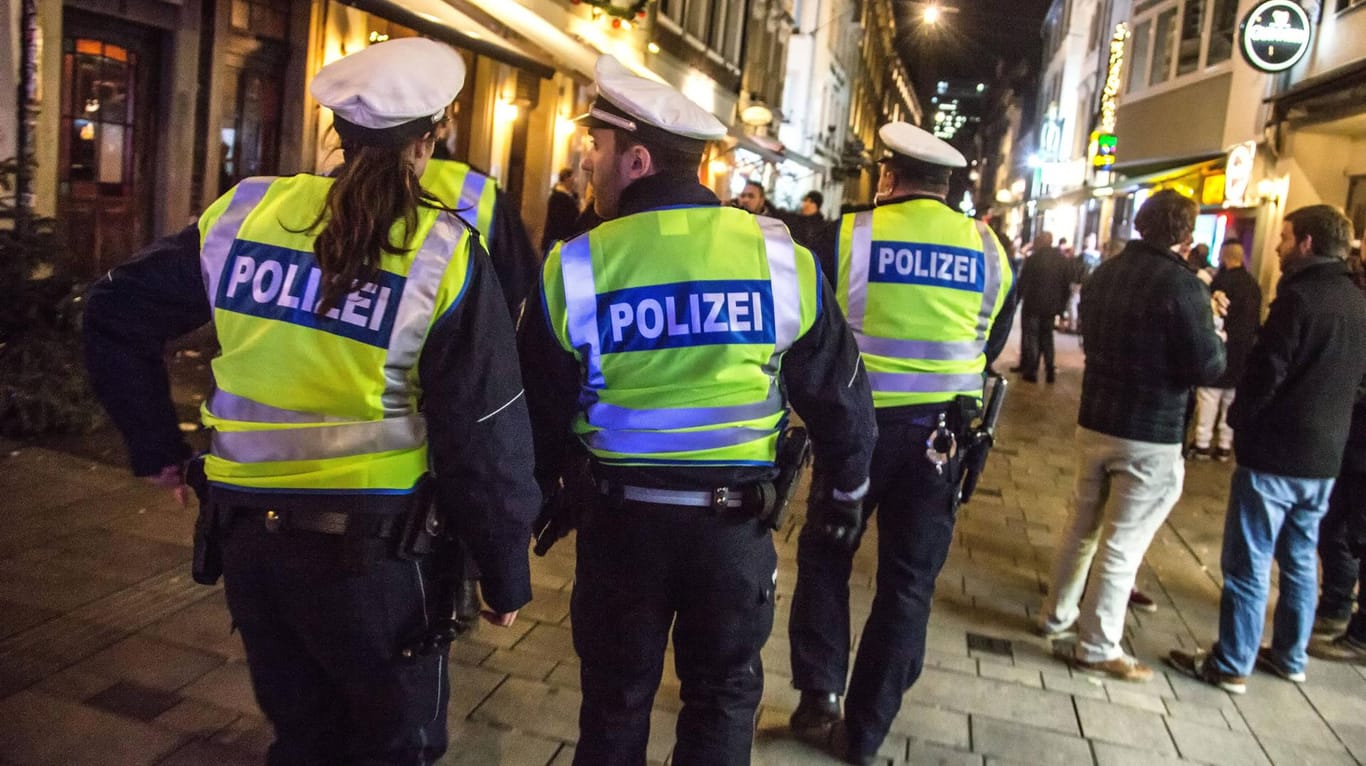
<point>1149,13</point>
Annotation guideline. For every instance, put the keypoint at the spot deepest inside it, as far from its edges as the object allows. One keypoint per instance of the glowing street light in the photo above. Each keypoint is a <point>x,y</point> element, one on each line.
<point>932,14</point>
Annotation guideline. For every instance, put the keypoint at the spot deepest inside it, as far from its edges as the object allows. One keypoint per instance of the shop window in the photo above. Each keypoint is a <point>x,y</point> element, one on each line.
<point>1192,24</point>
<point>1223,24</point>
<point>97,112</point>
<point>1161,69</point>
<point>1139,66</point>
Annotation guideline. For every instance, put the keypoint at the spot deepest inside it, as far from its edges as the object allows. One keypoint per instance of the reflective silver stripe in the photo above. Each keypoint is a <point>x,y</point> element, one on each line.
<point>856,493</point>
<point>213,254</point>
<point>694,499</point>
<point>991,285</point>
<point>321,442</point>
<point>581,304</point>
<point>929,350</point>
<point>782,277</point>
<point>924,382</point>
<point>648,442</point>
<point>415,309</point>
<point>611,416</point>
<point>230,406</point>
<point>471,191</point>
<point>861,253</point>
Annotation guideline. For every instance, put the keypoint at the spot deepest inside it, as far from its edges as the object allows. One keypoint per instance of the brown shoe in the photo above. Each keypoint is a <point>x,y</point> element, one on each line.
<point>1341,649</point>
<point>1141,602</point>
<point>1122,668</point>
<point>1196,666</point>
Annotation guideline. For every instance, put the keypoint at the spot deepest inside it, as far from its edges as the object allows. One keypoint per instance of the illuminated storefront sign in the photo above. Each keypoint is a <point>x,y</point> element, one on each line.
<point>1103,150</point>
<point>1274,35</point>
<point>1238,173</point>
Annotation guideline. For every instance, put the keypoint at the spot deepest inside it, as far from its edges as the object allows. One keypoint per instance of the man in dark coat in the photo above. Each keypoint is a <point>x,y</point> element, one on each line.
<point>1290,419</point>
<point>807,225</point>
<point>561,211</point>
<point>1240,326</point>
<point>1045,286</point>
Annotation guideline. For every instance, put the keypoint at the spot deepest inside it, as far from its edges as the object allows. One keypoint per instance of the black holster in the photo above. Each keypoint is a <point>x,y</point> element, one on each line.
<point>794,454</point>
<point>207,565</point>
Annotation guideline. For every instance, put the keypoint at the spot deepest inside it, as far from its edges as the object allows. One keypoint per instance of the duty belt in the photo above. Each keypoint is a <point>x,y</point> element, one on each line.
<point>719,498</point>
<point>325,522</point>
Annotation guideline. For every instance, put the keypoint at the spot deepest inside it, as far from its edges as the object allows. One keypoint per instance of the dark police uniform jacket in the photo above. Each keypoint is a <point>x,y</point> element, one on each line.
<point>820,376</point>
<point>468,368</point>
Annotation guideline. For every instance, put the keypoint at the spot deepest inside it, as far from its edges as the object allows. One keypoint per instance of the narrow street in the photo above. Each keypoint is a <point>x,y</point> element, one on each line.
<point>110,654</point>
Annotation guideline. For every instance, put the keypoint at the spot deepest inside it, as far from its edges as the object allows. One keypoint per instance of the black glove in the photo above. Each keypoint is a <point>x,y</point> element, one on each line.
<point>839,521</point>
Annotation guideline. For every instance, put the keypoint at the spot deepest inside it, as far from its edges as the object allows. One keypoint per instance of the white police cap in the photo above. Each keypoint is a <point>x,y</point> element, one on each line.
<point>391,92</point>
<point>650,110</point>
<point>907,140</point>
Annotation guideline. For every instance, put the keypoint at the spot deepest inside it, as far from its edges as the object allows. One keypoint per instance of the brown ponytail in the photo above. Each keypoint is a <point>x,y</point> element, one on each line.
<point>375,188</point>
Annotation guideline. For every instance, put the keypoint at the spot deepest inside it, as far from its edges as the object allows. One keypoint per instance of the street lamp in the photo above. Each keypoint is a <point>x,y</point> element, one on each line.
<point>932,14</point>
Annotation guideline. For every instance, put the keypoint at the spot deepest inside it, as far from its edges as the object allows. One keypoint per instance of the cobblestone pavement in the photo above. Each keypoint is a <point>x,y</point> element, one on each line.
<point>109,654</point>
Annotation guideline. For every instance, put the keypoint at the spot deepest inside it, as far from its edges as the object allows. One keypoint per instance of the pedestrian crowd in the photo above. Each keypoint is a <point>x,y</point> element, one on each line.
<point>1180,366</point>
<point>407,391</point>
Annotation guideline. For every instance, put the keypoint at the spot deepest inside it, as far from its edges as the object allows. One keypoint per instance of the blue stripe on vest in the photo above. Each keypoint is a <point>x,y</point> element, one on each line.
<point>922,263</point>
<point>278,283</point>
<point>682,314</point>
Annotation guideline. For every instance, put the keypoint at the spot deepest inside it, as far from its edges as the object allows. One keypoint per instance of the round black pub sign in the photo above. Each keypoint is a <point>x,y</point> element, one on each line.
<point>1274,35</point>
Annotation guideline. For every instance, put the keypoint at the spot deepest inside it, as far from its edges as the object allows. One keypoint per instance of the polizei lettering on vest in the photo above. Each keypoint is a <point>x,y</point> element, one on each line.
<point>277,283</point>
<point>686,314</point>
<point>927,264</point>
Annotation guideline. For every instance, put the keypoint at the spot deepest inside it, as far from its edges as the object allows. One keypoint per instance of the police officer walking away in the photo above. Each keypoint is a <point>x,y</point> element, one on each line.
<point>669,335</point>
<point>926,290</point>
<point>364,339</point>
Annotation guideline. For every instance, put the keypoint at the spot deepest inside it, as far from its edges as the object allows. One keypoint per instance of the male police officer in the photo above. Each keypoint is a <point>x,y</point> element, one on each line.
<point>668,338</point>
<point>326,419</point>
<point>921,284</point>
<point>479,201</point>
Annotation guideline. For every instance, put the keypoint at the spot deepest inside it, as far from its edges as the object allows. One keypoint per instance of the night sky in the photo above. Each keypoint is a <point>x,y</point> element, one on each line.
<point>968,43</point>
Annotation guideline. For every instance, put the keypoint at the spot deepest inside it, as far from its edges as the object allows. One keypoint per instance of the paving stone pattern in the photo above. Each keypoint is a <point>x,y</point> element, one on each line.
<point>110,654</point>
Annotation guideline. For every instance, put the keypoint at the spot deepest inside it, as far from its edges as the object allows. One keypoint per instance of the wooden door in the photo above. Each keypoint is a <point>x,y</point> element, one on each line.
<point>107,128</point>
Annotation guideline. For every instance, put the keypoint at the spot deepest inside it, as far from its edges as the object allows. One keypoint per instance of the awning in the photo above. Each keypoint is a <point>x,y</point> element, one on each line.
<point>767,148</point>
<point>1135,171</point>
<point>439,21</point>
<point>1074,197</point>
<point>568,51</point>
<point>1330,96</point>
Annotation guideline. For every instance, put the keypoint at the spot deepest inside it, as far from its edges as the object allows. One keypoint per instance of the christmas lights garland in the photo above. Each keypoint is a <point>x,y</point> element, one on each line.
<point>622,9</point>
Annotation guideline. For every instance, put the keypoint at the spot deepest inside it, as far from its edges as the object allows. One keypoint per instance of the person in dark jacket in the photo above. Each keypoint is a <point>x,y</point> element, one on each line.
<point>1240,328</point>
<point>1290,420</point>
<point>807,225</point>
<point>1045,286</point>
<point>561,211</point>
<point>1342,545</point>
<point>1148,333</point>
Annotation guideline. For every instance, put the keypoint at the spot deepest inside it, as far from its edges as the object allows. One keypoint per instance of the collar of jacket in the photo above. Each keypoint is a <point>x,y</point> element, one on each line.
<point>1316,264</point>
<point>664,190</point>
<point>909,198</point>
<point>1140,246</point>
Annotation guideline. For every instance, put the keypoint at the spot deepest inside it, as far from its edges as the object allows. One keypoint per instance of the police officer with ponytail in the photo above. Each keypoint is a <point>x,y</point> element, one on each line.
<point>928,294</point>
<point>668,343</point>
<point>367,367</point>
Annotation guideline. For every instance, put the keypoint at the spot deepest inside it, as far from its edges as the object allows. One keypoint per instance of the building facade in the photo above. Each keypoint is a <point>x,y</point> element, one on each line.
<point>882,92</point>
<point>150,109</point>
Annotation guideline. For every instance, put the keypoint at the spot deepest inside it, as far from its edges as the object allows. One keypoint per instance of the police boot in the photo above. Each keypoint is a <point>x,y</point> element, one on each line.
<point>839,747</point>
<point>466,606</point>
<point>815,712</point>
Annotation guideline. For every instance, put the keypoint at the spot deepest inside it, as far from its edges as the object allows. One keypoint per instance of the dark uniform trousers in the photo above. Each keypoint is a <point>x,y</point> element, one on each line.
<point>641,569</point>
<point>322,646</point>
<point>914,508</point>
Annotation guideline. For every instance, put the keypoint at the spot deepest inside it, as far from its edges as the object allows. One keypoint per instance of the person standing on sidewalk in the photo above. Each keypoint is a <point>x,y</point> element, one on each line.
<point>1240,329</point>
<point>1045,284</point>
<point>1341,635</point>
<point>1290,424</point>
<point>671,339</point>
<point>1148,333</point>
<point>926,333</point>
<point>365,343</point>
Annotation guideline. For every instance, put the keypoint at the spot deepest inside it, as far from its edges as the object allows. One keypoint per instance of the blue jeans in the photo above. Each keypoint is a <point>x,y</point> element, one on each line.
<point>1269,515</point>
